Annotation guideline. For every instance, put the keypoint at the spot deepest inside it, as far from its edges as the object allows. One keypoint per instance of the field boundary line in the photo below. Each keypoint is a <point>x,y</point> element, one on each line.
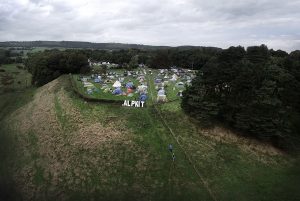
<point>186,155</point>
<point>180,146</point>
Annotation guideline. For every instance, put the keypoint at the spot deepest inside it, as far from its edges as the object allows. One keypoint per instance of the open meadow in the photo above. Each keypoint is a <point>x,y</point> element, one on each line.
<point>14,77</point>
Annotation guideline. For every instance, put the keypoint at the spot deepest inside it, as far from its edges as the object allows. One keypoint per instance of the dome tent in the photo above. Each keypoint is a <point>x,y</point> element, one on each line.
<point>179,85</point>
<point>117,91</point>
<point>97,80</point>
<point>117,84</point>
<point>129,84</point>
<point>174,77</point>
<point>161,92</point>
<point>142,88</point>
<point>143,97</point>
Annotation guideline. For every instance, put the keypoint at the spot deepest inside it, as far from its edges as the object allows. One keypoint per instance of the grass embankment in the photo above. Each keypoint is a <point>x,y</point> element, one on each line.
<point>72,150</point>
<point>148,172</point>
<point>10,102</point>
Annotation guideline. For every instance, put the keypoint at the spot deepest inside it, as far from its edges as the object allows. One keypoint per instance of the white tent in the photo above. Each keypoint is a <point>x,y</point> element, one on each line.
<point>87,84</point>
<point>161,92</point>
<point>117,84</point>
<point>142,88</point>
<point>174,77</point>
<point>179,84</point>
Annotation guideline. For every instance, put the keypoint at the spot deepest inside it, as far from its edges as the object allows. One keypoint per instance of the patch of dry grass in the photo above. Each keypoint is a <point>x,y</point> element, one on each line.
<point>69,157</point>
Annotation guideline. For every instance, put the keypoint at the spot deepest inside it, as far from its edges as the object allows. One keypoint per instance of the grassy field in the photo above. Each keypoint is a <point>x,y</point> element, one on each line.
<point>57,146</point>
<point>13,77</point>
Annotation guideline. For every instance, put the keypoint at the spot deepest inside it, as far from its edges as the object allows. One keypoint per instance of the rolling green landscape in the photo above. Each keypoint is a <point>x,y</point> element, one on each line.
<point>55,145</point>
<point>175,100</point>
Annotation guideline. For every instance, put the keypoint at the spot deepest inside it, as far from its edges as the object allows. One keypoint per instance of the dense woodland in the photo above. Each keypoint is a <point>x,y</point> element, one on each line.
<point>256,91</point>
<point>47,66</point>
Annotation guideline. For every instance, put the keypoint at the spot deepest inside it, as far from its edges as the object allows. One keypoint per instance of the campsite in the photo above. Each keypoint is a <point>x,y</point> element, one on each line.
<point>133,85</point>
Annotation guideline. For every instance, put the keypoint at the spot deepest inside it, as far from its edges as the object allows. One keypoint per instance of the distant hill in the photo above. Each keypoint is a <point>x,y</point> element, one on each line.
<point>89,45</point>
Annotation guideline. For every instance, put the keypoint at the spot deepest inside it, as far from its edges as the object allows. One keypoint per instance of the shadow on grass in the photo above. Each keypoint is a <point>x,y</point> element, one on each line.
<point>9,103</point>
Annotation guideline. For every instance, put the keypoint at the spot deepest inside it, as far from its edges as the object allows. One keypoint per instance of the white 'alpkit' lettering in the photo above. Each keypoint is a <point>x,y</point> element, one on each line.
<point>127,103</point>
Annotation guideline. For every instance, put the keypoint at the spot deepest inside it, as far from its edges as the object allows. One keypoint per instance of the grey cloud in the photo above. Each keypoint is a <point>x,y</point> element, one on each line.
<point>219,23</point>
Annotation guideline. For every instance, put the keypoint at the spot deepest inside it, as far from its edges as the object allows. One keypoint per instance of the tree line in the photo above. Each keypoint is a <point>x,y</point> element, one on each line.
<point>50,64</point>
<point>9,56</point>
<point>185,57</point>
<point>256,91</point>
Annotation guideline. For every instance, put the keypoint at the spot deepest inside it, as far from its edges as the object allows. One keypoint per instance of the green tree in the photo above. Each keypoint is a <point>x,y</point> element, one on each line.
<point>250,92</point>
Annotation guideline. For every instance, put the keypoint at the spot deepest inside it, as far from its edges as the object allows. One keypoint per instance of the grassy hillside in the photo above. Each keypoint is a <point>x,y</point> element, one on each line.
<point>67,149</point>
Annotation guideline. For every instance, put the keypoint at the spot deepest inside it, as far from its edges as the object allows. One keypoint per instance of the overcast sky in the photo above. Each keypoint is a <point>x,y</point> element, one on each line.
<point>220,23</point>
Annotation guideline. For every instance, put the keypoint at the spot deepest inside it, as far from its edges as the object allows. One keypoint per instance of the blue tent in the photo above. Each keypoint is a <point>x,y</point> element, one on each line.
<point>97,80</point>
<point>129,85</point>
<point>158,80</point>
<point>117,91</point>
<point>143,97</point>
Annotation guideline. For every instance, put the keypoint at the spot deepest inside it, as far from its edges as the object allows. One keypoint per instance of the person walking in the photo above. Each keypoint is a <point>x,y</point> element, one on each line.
<point>171,148</point>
